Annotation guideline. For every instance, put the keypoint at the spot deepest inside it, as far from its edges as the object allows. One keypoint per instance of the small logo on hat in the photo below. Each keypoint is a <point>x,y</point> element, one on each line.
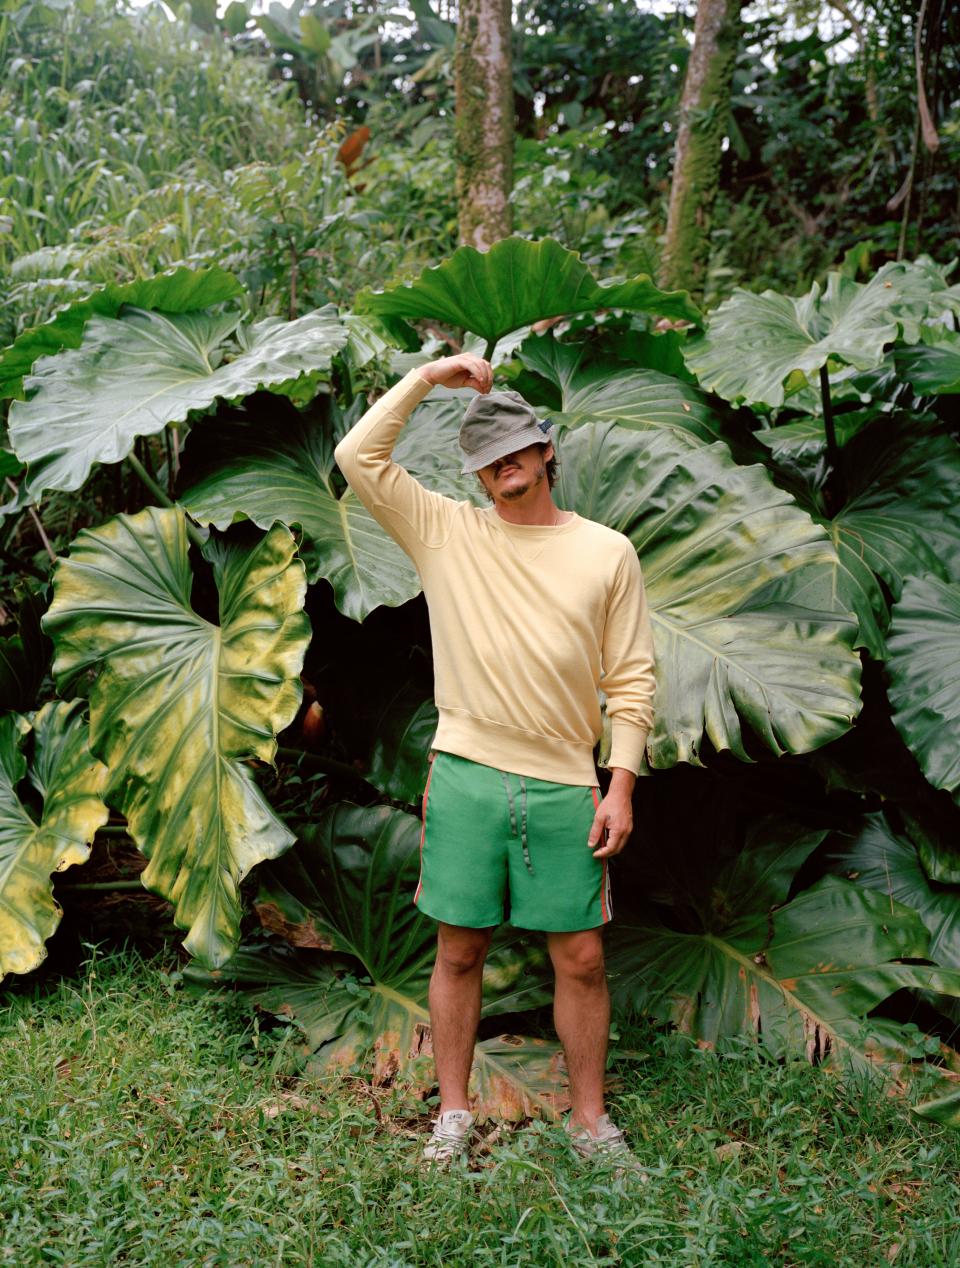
<point>544,425</point>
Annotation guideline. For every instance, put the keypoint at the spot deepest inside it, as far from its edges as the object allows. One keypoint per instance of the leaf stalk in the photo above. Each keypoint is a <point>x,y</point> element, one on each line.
<point>147,480</point>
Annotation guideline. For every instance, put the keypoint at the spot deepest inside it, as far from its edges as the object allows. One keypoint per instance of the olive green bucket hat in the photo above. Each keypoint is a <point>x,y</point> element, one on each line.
<point>497,423</point>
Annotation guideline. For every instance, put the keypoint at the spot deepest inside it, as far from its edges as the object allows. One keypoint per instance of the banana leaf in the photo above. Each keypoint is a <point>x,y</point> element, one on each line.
<point>177,702</point>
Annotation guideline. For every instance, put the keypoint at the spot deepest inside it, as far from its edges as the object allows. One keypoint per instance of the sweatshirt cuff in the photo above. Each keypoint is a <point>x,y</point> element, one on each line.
<point>627,746</point>
<point>403,396</point>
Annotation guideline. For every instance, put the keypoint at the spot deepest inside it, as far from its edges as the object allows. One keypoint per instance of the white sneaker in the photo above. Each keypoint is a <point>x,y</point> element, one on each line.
<point>450,1138</point>
<point>609,1145</point>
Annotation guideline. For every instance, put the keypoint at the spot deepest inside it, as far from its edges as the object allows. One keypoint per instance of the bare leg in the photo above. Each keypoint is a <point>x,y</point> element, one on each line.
<point>455,988</point>
<point>581,1014</point>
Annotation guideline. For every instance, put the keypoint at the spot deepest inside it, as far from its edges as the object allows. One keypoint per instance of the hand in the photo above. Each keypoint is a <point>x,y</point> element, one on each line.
<point>463,370</point>
<point>613,821</point>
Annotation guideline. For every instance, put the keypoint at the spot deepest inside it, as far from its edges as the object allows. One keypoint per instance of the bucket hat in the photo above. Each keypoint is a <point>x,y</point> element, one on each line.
<point>497,423</point>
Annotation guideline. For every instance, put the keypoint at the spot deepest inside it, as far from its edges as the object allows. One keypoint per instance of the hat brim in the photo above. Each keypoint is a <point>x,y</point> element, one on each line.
<point>503,446</point>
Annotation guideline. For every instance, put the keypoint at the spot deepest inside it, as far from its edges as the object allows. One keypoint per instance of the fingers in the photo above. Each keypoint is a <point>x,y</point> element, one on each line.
<point>597,829</point>
<point>465,369</point>
<point>480,372</point>
<point>607,838</point>
<point>613,844</point>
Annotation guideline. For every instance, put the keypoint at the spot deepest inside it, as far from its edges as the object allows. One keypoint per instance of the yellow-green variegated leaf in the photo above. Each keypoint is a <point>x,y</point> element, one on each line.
<point>49,812</point>
<point>177,702</point>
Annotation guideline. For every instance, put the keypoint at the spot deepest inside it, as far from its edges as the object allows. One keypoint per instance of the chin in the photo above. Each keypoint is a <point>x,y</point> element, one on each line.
<point>511,495</point>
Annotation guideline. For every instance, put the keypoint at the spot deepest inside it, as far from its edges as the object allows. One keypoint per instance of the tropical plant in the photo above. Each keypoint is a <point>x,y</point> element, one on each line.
<point>185,625</point>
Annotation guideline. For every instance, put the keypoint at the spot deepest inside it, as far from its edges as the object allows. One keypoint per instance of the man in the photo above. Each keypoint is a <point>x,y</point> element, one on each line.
<point>531,610</point>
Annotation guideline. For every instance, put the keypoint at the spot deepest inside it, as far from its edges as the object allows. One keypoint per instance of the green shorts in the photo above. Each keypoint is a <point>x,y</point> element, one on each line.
<point>497,846</point>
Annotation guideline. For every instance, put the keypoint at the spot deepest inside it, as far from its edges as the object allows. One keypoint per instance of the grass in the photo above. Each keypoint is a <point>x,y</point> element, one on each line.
<point>141,1125</point>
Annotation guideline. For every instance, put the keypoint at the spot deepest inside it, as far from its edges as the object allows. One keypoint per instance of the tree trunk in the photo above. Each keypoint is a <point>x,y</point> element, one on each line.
<point>704,110</point>
<point>484,124</point>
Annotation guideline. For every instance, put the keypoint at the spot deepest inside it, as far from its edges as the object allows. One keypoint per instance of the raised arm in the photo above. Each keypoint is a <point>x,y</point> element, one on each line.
<point>411,514</point>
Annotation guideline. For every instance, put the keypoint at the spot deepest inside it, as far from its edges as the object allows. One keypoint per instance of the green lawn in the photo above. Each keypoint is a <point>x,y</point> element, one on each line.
<point>141,1125</point>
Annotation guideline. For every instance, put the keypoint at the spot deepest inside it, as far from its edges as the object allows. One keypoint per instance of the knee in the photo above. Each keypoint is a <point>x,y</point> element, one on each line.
<point>463,952</point>
<point>581,963</point>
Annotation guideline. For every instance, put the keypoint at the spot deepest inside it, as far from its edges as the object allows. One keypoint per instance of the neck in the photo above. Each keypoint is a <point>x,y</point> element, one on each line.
<point>535,507</point>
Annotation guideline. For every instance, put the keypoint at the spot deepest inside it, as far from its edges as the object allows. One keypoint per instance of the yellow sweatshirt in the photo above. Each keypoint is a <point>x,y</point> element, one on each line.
<point>527,621</point>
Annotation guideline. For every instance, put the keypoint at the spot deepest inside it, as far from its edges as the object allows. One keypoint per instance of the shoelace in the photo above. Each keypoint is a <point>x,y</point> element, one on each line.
<point>523,816</point>
<point>447,1134</point>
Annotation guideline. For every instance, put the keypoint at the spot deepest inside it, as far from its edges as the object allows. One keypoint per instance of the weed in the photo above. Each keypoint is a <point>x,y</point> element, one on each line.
<point>140,1125</point>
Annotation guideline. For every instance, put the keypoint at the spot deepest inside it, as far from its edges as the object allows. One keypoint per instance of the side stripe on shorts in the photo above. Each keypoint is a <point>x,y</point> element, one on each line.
<point>606,905</point>
<point>423,829</point>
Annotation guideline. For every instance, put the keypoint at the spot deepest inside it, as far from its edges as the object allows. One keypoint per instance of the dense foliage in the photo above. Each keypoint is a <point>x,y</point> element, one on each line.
<point>193,324</point>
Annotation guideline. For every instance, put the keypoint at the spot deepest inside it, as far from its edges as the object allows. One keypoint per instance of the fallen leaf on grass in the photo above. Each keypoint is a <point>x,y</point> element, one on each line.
<point>288,1101</point>
<point>729,1149</point>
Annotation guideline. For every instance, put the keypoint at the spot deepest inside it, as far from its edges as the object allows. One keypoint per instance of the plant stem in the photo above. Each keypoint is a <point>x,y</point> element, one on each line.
<point>489,350</point>
<point>833,452</point>
<point>329,764</point>
<point>835,485</point>
<point>164,499</point>
<point>100,887</point>
<point>32,512</point>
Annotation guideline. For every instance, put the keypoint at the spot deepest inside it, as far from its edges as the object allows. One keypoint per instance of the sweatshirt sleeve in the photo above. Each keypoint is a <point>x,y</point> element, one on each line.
<point>628,679</point>
<point>412,515</point>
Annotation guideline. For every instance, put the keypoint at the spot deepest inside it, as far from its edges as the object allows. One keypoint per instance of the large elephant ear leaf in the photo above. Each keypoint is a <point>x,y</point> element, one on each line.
<point>514,284</point>
<point>924,688</point>
<point>635,398</point>
<point>714,539</point>
<point>245,467</point>
<point>403,730</point>
<point>136,372</point>
<point>241,467</point>
<point>882,858</point>
<point>180,290</point>
<point>754,344</point>
<point>178,702</point>
<point>801,977</point>
<point>347,888</point>
<point>68,783</point>
<point>901,518</point>
<point>24,657</point>
<point>932,367</point>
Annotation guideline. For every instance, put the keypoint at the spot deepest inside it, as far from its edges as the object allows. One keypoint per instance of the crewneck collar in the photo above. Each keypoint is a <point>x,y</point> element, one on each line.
<point>528,530</point>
